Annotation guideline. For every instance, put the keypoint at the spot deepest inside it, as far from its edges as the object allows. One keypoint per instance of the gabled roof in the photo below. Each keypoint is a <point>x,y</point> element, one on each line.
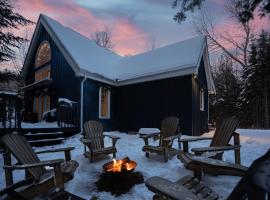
<point>88,59</point>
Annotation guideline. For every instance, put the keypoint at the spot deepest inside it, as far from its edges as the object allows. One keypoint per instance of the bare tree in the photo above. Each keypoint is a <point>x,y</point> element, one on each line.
<point>234,44</point>
<point>18,61</point>
<point>103,38</point>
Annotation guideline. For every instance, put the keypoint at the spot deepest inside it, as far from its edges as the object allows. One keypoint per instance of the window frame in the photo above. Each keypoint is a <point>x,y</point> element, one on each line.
<point>109,103</point>
<point>202,100</point>
<point>38,52</point>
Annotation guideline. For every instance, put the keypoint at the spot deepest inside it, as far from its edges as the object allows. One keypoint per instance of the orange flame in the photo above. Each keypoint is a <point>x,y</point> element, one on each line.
<point>119,165</point>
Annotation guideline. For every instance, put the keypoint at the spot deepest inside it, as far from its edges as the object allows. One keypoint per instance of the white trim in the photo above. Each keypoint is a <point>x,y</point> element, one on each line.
<point>109,104</point>
<point>82,92</point>
<point>202,102</point>
<point>121,81</point>
<point>161,75</point>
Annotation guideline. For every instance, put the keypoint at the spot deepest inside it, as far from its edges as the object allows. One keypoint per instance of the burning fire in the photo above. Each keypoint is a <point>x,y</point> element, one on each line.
<point>120,165</point>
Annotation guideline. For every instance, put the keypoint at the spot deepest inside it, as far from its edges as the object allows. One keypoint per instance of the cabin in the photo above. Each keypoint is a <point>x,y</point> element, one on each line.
<point>124,93</point>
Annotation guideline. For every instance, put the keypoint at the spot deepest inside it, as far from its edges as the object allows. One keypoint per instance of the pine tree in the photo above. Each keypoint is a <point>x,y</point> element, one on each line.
<point>226,102</point>
<point>256,88</point>
<point>10,19</point>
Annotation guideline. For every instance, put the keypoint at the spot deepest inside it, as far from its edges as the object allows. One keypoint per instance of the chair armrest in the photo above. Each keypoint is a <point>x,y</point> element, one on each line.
<point>211,149</point>
<point>50,163</point>
<point>169,189</point>
<point>112,137</point>
<point>85,141</point>
<point>171,138</point>
<point>148,135</point>
<point>66,150</point>
<point>194,139</point>
<point>56,150</point>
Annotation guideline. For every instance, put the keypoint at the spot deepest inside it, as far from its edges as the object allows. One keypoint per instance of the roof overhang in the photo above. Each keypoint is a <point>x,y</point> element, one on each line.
<point>42,22</point>
<point>168,73</point>
<point>41,83</point>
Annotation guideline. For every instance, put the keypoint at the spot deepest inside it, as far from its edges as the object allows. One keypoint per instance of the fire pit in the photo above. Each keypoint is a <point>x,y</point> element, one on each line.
<point>119,176</point>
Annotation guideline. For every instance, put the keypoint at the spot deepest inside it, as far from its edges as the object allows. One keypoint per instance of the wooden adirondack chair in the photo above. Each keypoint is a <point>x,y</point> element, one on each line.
<point>220,141</point>
<point>38,179</point>
<point>253,185</point>
<point>168,133</point>
<point>200,164</point>
<point>94,140</point>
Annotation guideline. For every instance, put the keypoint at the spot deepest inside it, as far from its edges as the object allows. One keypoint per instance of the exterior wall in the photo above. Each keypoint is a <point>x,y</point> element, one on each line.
<point>199,118</point>
<point>146,104</point>
<point>65,83</point>
<point>91,104</point>
<point>132,106</point>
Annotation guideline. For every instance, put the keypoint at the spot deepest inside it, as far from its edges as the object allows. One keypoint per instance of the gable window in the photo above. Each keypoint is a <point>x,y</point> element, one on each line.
<point>43,54</point>
<point>43,73</point>
<point>104,102</point>
<point>202,99</point>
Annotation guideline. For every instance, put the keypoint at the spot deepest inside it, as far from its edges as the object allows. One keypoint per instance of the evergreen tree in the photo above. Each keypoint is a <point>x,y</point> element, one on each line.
<point>9,19</point>
<point>226,102</point>
<point>248,8</point>
<point>256,88</point>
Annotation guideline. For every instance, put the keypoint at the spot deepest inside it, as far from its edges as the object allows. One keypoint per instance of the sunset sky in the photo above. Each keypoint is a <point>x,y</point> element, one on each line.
<point>133,22</point>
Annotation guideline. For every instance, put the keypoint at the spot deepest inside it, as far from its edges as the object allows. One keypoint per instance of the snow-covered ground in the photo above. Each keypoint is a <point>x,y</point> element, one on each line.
<point>254,144</point>
<point>41,124</point>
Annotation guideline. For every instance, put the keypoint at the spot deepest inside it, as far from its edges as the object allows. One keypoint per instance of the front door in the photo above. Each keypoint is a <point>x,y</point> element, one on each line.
<point>41,105</point>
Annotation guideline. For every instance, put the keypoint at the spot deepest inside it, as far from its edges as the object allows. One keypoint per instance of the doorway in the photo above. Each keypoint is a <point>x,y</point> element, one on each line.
<point>41,104</point>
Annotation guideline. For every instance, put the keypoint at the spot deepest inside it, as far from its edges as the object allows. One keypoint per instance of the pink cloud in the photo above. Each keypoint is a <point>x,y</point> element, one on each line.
<point>127,37</point>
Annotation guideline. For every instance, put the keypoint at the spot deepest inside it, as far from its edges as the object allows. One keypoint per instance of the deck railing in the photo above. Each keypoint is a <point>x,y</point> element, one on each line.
<point>68,115</point>
<point>10,116</point>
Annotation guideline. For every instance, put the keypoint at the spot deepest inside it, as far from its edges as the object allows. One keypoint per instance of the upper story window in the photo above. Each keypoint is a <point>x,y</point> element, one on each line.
<point>202,99</point>
<point>43,54</point>
<point>44,72</point>
<point>104,102</point>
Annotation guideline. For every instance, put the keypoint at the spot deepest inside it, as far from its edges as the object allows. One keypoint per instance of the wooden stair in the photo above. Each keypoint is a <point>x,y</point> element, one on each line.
<point>47,136</point>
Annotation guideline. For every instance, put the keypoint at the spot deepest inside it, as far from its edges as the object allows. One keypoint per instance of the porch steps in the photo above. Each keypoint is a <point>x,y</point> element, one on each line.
<point>45,142</point>
<point>47,136</point>
<point>45,139</point>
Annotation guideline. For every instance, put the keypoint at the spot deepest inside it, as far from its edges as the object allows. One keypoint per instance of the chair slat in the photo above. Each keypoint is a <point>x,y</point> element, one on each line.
<point>23,152</point>
<point>224,131</point>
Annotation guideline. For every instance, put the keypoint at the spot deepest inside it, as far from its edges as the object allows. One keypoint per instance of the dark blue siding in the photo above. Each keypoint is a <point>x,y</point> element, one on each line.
<point>199,118</point>
<point>146,104</point>
<point>65,83</point>
<point>91,104</point>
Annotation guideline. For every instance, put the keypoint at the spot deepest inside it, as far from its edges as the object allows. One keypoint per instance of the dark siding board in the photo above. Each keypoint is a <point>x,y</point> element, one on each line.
<point>91,104</point>
<point>65,85</point>
<point>199,118</point>
<point>146,104</point>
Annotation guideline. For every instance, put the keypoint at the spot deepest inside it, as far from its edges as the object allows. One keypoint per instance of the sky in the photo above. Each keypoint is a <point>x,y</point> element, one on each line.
<point>133,23</point>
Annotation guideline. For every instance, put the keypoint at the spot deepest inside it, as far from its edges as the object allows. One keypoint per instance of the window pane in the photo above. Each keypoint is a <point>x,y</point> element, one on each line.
<point>43,54</point>
<point>104,102</point>
<point>43,73</point>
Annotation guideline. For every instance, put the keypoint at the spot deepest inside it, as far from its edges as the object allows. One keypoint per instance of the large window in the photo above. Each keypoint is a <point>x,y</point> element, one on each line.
<point>104,102</point>
<point>43,54</point>
<point>43,73</point>
<point>202,99</point>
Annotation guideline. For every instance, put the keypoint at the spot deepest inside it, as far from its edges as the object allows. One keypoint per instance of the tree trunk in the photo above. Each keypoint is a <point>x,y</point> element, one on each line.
<point>266,108</point>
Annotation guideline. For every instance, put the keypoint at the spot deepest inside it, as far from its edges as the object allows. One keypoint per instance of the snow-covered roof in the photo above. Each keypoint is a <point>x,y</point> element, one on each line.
<point>88,59</point>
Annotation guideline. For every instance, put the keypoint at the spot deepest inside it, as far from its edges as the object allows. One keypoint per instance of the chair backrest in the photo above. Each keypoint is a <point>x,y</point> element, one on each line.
<point>255,184</point>
<point>224,131</point>
<point>94,132</point>
<point>169,127</point>
<point>23,152</point>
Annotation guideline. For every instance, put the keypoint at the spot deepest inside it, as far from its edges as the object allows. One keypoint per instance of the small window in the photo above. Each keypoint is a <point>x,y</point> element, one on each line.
<point>104,102</point>
<point>43,55</point>
<point>202,100</point>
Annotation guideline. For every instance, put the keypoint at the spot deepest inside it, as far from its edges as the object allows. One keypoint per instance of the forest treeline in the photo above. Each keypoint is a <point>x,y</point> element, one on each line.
<point>244,92</point>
